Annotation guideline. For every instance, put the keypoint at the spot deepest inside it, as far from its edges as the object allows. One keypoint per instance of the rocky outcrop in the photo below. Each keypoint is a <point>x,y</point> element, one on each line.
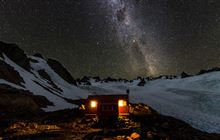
<point>85,80</point>
<point>15,100</point>
<point>9,74</point>
<point>15,54</point>
<point>38,55</point>
<point>44,75</point>
<point>184,75</point>
<point>142,82</point>
<point>61,71</point>
<point>209,70</point>
<point>109,79</point>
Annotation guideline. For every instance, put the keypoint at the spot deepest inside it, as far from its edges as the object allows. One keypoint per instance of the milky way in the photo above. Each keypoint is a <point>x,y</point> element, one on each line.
<point>117,38</point>
<point>133,39</point>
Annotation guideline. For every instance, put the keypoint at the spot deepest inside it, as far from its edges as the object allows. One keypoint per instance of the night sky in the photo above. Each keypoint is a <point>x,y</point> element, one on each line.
<point>117,38</point>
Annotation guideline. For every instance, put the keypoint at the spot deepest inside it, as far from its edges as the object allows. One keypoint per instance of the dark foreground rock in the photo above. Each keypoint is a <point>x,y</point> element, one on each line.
<point>19,105</point>
<point>13,101</point>
<point>143,123</point>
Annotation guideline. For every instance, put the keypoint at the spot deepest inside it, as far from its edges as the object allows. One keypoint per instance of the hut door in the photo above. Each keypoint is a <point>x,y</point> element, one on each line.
<point>108,110</point>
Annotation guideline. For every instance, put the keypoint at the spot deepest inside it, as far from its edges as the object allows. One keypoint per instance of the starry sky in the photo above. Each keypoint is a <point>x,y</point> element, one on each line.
<point>117,38</point>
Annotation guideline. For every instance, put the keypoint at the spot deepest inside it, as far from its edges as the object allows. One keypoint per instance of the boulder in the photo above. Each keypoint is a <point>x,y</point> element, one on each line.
<point>135,136</point>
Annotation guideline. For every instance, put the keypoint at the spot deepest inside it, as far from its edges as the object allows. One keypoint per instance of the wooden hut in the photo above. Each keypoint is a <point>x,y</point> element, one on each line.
<point>104,106</point>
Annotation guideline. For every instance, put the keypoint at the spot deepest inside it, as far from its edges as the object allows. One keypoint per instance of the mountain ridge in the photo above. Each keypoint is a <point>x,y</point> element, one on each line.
<point>39,76</point>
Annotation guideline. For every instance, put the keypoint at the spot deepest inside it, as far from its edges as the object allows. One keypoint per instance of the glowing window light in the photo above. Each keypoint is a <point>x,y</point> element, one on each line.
<point>93,104</point>
<point>122,103</point>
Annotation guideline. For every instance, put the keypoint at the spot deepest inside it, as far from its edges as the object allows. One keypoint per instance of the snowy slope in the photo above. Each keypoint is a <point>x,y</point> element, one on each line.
<point>37,85</point>
<point>195,100</point>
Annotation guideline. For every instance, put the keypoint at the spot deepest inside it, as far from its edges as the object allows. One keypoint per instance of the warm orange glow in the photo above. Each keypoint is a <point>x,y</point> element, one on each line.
<point>122,103</point>
<point>93,104</point>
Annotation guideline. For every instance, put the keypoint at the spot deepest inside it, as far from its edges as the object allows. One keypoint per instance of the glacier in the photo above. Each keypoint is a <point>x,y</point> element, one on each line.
<point>196,99</point>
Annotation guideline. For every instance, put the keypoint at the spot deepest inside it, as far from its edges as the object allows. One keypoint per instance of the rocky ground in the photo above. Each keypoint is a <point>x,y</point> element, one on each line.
<point>143,123</point>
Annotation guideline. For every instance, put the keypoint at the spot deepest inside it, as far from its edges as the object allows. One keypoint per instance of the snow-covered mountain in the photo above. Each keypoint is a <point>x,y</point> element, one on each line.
<point>46,84</point>
<point>38,76</point>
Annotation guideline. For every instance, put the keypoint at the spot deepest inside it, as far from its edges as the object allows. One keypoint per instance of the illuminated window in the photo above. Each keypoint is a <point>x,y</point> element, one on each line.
<point>122,103</point>
<point>93,104</point>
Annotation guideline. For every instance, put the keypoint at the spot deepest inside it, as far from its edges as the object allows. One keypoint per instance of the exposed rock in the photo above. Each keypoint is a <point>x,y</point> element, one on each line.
<point>184,75</point>
<point>150,135</point>
<point>142,82</point>
<point>44,75</point>
<point>88,83</point>
<point>38,55</point>
<point>165,125</point>
<point>33,60</point>
<point>135,136</point>
<point>97,78</point>
<point>15,54</point>
<point>9,74</point>
<point>61,71</point>
<point>141,110</point>
<point>14,100</point>
<point>85,79</point>
<point>109,79</point>
<point>209,70</point>
<point>78,81</point>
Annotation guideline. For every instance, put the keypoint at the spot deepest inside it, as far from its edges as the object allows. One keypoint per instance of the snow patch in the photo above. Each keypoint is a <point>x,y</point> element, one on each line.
<point>2,81</point>
<point>69,90</point>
